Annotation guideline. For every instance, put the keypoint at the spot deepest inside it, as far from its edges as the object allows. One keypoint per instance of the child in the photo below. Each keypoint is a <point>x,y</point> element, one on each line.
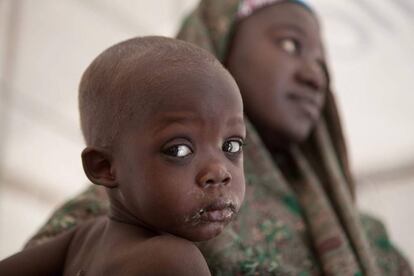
<point>163,124</point>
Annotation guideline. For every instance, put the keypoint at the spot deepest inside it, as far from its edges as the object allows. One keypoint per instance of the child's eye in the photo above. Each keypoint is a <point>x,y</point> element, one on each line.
<point>180,151</point>
<point>233,146</point>
<point>290,45</point>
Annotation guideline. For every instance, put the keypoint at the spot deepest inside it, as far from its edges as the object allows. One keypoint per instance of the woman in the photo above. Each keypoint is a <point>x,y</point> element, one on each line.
<point>299,217</point>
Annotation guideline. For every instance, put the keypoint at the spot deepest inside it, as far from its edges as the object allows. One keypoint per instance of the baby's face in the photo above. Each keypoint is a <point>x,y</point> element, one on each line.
<point>181,171</point>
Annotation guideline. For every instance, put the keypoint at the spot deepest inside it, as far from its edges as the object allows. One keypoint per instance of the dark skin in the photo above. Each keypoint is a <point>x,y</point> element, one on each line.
<point>277,59</point>
<point>174,176</point>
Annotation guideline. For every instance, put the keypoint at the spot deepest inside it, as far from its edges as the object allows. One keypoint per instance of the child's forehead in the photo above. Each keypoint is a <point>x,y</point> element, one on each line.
<point>156,81</point>
<point>184,93</point>
<point>149,86</point>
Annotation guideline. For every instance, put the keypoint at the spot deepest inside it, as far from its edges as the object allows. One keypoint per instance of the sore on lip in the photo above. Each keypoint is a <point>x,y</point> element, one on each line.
<point>221,215</point>
<point>220,210</point>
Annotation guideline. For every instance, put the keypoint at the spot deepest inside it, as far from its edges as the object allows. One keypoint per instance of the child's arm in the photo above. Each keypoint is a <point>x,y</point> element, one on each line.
<point>45,259</point>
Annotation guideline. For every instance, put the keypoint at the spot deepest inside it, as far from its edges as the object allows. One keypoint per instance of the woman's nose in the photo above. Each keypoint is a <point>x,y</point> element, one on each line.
<point>312,75</point>
<point>215,174</point>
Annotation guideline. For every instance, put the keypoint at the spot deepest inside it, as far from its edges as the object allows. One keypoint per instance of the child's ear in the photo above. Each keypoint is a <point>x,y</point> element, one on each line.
<point>98,166</point>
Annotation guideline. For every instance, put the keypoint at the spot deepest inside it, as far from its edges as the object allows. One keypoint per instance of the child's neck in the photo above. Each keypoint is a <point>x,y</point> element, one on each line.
<point>120,213</point>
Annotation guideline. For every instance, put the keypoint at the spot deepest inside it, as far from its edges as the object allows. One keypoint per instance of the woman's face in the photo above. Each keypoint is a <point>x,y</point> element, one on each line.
<point>277,59</point>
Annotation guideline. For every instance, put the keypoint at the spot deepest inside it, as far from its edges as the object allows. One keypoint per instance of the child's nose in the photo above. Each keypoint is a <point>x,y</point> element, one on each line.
<point>214,174</point>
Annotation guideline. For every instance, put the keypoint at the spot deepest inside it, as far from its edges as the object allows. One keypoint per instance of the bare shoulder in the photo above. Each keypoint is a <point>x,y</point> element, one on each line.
<point>167,255</point>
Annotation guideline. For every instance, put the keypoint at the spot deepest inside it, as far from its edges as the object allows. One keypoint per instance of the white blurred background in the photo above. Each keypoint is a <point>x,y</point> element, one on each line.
<point>45,45</point>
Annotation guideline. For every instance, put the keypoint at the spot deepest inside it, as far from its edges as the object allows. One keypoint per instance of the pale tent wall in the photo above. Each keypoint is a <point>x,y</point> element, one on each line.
<point>45,45</point>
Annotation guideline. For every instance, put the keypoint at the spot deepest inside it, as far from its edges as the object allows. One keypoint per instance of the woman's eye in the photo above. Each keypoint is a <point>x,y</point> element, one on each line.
<point>290,46</point>
<point>232,146</point>
<point>178,151</point>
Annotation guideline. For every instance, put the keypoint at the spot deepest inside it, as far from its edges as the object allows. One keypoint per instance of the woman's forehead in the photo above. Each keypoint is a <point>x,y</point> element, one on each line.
<point>248,7</point>
<point>283,17</point>
<point>287,13</point>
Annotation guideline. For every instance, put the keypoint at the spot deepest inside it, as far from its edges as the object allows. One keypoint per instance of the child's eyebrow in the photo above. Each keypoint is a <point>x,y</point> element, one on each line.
<point>185,118</point>
<point>173,118</point>
<point>237,120</point>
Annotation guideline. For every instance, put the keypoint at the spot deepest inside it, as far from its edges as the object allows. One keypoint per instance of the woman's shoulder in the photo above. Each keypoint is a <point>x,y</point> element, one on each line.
<point>390,258</point>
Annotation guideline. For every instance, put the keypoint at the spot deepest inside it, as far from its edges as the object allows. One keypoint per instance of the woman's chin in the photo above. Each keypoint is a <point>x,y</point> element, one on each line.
<point>299,132</point>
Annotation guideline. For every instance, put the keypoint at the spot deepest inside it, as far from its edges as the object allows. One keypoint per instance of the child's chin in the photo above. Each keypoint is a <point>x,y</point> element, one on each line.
<point>203,232</point>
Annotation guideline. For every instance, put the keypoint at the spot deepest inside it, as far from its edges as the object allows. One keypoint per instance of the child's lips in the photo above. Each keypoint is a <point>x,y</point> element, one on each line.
<point>221,210</point>
<point>222,215</point>
<point>218,211</point>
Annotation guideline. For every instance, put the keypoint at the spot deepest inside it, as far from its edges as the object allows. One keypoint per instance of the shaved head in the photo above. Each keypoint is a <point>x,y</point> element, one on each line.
<point>127,80</point>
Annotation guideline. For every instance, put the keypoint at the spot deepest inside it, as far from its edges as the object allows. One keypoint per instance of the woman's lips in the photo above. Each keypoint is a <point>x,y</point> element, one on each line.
<point>307,103</point>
